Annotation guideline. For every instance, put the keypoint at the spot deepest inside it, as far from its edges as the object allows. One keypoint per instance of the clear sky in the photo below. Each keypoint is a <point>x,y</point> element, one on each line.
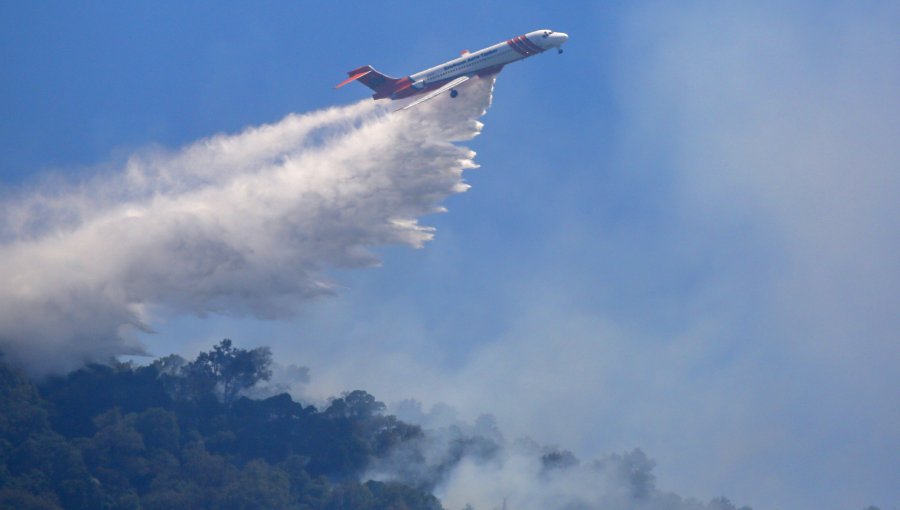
<point>683,235</point>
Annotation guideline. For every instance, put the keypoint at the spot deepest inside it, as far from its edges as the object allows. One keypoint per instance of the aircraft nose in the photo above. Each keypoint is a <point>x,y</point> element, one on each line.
<point>558,38</point>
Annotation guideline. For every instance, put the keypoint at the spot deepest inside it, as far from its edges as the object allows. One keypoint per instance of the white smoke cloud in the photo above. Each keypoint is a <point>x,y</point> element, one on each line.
<point>242,224</point>
<point>474,466</point>
<point>734,314</point>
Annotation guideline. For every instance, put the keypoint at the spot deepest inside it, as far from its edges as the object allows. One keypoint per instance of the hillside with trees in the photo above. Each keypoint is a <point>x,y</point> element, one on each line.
<point>179,434</point>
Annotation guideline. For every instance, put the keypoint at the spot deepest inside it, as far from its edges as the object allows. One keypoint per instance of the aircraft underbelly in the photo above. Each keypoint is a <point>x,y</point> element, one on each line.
<point>487,67</point>
<point>501,55</point>
<point>427,88</point>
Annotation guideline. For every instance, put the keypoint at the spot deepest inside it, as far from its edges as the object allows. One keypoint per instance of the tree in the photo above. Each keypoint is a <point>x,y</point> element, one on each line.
<point>356,405</point>
<point>26,500</point>
<point>230,370</point>
<point>401,497</point>
<point>22,410</point>
<point>350,496</point>
<point>86,393</point>
<point>180,434</point>
<point>159,429</point>
<point>558,459</point>
<point>259,486</point>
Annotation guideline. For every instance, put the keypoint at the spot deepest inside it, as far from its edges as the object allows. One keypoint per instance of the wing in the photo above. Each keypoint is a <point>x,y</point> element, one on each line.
<point>436,92</point>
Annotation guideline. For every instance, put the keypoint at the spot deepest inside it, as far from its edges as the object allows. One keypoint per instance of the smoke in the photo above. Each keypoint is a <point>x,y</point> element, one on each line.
<point>244,224</point>
<point>475,467</point>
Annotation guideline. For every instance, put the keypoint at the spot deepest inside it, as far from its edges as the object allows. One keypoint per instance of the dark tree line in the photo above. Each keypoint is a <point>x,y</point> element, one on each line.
<point>178,434</point>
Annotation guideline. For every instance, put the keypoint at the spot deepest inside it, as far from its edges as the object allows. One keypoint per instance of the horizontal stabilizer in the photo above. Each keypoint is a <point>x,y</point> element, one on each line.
<point>354,75</point>
<point>383,85</point>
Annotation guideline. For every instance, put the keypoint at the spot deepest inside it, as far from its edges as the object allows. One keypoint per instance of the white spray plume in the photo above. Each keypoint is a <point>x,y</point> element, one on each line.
<point>239,224</point>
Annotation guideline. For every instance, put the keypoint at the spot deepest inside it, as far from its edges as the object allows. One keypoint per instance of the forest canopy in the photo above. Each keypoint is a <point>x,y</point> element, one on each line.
<point>189,434</point>
<point>179,434</point>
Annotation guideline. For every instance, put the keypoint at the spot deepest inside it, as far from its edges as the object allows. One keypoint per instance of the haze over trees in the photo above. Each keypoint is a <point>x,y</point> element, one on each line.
<point>177,434</point>
<point>183,434</point>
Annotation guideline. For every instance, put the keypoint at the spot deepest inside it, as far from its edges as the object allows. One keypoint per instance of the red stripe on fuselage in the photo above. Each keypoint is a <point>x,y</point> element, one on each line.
<point>533,47</point>
<point>528,45</point>
<point>515,47</point>
<point>522,46</point>
<point>402,84</point>
<point>408,91</point>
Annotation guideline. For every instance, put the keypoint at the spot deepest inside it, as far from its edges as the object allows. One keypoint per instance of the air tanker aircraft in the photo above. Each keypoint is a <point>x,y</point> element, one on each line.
<point>433,82</point>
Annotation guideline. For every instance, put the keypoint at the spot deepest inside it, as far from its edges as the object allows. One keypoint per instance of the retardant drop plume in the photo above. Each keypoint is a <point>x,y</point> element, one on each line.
<point>235,224</point>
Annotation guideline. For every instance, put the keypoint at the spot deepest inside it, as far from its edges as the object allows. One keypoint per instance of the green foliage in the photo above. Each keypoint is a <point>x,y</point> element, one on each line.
<point>178,434</point>
<point>86,393</point>
<point>11,497</point>
<point>21,409</point>
<point>229,370</point>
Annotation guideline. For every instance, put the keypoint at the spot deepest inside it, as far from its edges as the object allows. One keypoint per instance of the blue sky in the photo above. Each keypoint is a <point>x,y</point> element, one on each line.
<point>682,236</point>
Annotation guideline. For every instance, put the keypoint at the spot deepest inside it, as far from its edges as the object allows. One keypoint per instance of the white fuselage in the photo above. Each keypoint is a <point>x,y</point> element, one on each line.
<point>492,57</point>
<point>433,82</point>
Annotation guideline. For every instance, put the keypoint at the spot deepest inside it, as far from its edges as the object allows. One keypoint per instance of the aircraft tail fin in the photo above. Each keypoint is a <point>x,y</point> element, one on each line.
<point>383,85</point>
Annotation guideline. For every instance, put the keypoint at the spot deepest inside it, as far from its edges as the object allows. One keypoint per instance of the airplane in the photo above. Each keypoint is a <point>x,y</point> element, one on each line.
<point>433,82</point>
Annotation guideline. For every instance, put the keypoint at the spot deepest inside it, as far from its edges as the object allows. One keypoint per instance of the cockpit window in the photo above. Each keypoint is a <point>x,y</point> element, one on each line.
<point>547,34</point>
